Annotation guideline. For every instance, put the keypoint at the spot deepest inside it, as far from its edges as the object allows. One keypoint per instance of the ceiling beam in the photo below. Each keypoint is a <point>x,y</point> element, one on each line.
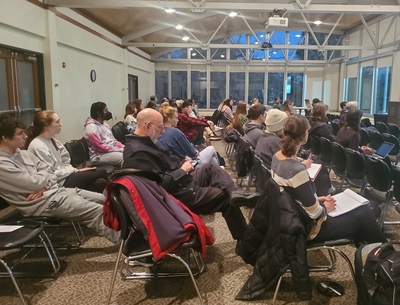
<point>223,6</point>
<point>243,46</point>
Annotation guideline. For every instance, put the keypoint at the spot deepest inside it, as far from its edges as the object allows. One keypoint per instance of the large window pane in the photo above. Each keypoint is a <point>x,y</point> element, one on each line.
<point>315,54</point>
<point>161,85</point>
<point>199,88</point>
<point>275,86</point>
<point>198,53</point>
<point>277,38</point>
<point>256,86</point>
<point>296,38</point>
<point>218,88</point>
<point>26,89</point>
<point>239,54</point>
<point>3,85</point>
<point>294,88</point>
<point>366,86</point>
<point>351,89</point>
<point>257,53</point>
<point>382,92</point>
<point>236,86</point>
<point>179,85</point>
<point>181,53</point>
<point>218,53</point>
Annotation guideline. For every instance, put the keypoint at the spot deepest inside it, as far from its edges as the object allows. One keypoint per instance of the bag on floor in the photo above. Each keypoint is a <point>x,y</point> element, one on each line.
<point>377,268</point>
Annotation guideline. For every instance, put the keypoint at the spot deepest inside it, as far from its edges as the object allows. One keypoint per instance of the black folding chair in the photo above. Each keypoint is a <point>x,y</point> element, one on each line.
<point>393,129</point>
<point>381,127</point>
<point>364,137</point>
<point>335,128</point>
<point>394,153</point>
<point>326,154</point>
<point>356,169</point>
<point>315,146</point>
<point>375,139</point>
<point>338,161</point>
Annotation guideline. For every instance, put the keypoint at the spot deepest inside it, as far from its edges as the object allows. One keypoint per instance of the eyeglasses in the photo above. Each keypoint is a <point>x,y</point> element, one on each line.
<point>159,127</point>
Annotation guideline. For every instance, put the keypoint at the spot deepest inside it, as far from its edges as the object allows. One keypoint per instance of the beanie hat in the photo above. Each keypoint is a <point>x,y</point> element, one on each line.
<point>275,120</point>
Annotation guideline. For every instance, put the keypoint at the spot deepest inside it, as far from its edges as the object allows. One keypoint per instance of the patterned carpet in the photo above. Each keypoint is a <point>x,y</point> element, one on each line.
<point>85,277</point>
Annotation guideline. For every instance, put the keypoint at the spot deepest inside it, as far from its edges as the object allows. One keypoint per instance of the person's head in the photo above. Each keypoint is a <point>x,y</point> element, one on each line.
<point>186,107</point>
<point>149,124</point>
<point>99,112</point>
<point>228,102</point>
<point>275,120</point>
<point>318,113</point>
<point>130,109</point>
<point>343,105</point>
<point>277,99</point>
<point>351,105</point>
<point>46,123</point>
<point>295,134</point>
<point>287,106</point>
<point>353,118</point>
<point>308,103</point>
<point>12,134</point>
<point>255,101</point>
<point>190,100</point>
<point>316,101</point>
<point>151,104</point>
<point>169,114</point>
<point>139,104</point>
<point>256,113</point>
<point>241,108</point>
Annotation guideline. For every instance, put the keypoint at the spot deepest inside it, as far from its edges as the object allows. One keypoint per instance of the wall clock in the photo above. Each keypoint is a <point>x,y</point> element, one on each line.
<point>93,75</point>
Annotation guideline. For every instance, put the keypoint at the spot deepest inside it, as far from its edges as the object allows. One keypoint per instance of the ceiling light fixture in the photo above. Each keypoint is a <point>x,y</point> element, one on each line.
<point>261,35</point>
<point>222,55</point>
<point>233,14</point>
<point>194,54</point>
<point>298,35</point>
<point>317,22</point>
<point>179,27</point>
<point>185,38</point>
<point>169,10</point>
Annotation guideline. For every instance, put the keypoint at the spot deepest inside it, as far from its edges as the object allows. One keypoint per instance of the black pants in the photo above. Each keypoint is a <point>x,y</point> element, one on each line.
<point>322,182</point>
<point>212,187</point>
<point>92,180</point>
<point>200,138</point>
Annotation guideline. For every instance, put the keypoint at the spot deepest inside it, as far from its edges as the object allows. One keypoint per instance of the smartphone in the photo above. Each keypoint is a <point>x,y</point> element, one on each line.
<point>194,163</point>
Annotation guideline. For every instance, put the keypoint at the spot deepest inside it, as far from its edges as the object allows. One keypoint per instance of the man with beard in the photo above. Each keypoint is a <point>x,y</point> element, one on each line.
<point>204,190</point>
<point>104,149</point>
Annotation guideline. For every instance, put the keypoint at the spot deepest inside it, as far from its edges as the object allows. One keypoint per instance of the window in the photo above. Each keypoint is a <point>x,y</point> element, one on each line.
<point>382,92</point>
<point>196,53</point>
<point>236,86</point>
<point>296,38</point>
<point>133,93</point>
<point>218,53</point>
<point>256,86</point>
<point>277,38</point>
<point>19,84</point>
<point>161,85</point>
<point>179,85</point>
<point>315,54</point>
<point>217,88</point>
<point>275,86</point>
<point>199,88</point>
<point>366,86</point>
<point>181,54</point>
<point>238,54</point>
<point>257,53</point>
<point>350,89</point>
<point>294,88</point>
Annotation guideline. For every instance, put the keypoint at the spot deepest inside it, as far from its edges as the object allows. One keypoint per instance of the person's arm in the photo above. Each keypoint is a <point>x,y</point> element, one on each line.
<point>94,139</point>
<point>327,132</point>
<point>354,141</point>
<point>188,119</point>
<point>185,146</point>
<point>228,113</point>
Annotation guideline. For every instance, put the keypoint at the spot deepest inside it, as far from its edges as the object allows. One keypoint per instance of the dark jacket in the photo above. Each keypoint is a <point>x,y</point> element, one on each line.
<point>268,145</point>
<point>321,129</point>
<point>252,133</point>
<point>274,241</point>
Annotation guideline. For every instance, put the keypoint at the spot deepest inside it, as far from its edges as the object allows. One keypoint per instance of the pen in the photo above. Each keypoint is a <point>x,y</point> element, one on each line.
<point>328,287</point>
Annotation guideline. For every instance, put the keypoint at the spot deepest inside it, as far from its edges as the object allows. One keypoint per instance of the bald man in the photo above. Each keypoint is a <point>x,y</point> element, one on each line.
<point>204,190</point>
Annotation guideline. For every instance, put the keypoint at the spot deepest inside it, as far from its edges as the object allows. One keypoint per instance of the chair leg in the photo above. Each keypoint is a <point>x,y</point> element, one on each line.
<point>50,252</point>
<point>78,232</point>
<point>14,281</point>
<point>115,272</point>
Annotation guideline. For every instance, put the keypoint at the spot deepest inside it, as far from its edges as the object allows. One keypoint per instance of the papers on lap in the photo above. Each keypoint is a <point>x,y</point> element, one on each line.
<point>347,201</point>
<point>9,228</point>
<point>313,170</point>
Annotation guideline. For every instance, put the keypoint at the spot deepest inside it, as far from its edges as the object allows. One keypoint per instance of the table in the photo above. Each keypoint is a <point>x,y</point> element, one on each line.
<point>301,108</point>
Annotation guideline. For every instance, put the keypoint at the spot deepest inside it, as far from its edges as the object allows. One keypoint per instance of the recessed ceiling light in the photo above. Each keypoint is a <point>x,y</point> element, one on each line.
<point>264,58</point>
<point>190,49</point>
<point>179,27</point>
<point>232,14</point>
<point>185,38</point>
<point>274,52</point>
<point>256,42</point>
<point>261,35</point>
<point>169,10</point>
<point>317,22</point>
<point>194,54</point>
<point>298,35</point>
<point>222,55</point>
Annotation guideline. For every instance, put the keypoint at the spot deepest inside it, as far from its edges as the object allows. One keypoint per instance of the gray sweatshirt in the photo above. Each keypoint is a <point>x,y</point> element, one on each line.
<point>22,174</point>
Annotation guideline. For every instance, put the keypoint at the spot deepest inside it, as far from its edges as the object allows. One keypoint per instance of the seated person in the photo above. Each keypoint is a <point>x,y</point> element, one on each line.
<point>203,190</point>
<point>239,117</point>
<point>253,130</point>
<point>287,107</point>
<point>277,103</point>
<point>226,108</point>
<point>270,143</point>
<point>192,127</point>
<point>343,114</point>
<point>176,143</point>
<point>130,117</point>
<point>151,104</point>
<point>30,186</point>
<point>316,101</point>
<point>104,149</point>
<point>348,135</point>
<point>319,122</point>
<point>255,101</point>
<point>358,224</point>
<point>342,108</point>
<point>43,144</point>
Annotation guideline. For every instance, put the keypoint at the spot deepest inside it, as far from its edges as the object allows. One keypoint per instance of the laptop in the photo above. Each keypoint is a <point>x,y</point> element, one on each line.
<point>383,150</point>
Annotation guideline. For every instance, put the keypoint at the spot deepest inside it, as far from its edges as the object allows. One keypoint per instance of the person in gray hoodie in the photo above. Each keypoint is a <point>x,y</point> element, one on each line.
<point>31,187</point>
<point>253,130</point>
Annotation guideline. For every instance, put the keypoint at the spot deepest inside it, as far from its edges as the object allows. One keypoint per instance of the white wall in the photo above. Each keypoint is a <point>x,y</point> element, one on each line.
<point>69,90</point>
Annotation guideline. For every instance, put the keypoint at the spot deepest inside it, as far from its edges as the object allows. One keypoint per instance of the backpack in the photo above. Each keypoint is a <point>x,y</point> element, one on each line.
<point>377,268</point>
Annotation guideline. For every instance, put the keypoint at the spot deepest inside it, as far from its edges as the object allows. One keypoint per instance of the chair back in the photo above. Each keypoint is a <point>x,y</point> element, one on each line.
<point>381,127</point>
<point>396,183</point>
<point>335,128</point>
<point>356,168</point>
<point>338,159</point>
<point>326,150</point>
<point>307,145</point>
<point>244,158</point>
<point>315,145</point>
<point>375,139</point>
<point>261,172</point>
<point>379,175</point>
<point>77,153</point>
<point>364,137</point>
<point>392,139</point>
<point>119,131</point>
<point>86,148</point>
<point>123,216</point>
<point>394,130</point>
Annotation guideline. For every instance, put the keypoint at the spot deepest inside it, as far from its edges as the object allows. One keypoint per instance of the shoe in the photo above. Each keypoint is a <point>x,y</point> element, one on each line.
<point>216,128</point>
<point>243,198</point>
<point>215,138</point>
<point>144,262</point>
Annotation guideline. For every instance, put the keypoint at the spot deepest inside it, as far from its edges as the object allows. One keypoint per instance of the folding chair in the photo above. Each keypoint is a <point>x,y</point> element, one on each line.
<point>315,146</point>
<point>364,137</point>
<point>381,127</point>
<point>134,247</point>
<point>356,169</point>
<point>326,154</point>
<point>339,161</point>
<point>394,153</point>
<point>375,139</point>
<point>335,128</point>
<point>393,129</point>
<point>108,168</point>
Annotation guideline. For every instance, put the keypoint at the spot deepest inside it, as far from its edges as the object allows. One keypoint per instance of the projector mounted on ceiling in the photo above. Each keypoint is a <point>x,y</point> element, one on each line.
<point>277,21</point>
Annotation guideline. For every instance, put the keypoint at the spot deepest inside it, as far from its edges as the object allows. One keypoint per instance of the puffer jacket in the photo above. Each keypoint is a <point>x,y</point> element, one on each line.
<point>274,241</point>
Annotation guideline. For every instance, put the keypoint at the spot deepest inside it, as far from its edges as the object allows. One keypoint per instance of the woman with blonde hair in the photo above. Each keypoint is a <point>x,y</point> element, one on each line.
<point>43,144</point>
<point>239,118</point>
<point>175,141</point>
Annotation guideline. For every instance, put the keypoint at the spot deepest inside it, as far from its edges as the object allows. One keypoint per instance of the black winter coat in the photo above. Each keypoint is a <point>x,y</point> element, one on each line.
<point>274,241</point>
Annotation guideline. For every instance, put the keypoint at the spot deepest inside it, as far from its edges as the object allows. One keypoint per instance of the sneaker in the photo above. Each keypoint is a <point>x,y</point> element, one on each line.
<point>216,128</point>
<point>215,138</point>
<point>144,262</point>
<point>241,197</point>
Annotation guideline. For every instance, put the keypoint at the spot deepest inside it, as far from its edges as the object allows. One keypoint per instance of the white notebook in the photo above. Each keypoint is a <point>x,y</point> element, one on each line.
<point>313,170</point>
<point>347,201</point>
